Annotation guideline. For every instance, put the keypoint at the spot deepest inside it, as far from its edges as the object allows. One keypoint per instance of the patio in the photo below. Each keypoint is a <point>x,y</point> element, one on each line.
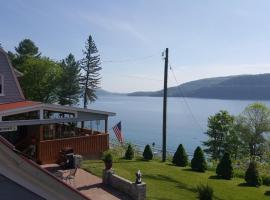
<point>88,184</point>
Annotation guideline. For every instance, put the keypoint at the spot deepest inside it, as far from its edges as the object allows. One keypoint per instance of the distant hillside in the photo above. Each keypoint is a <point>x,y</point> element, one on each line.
<point>255,87</point>
<point>101,92</point>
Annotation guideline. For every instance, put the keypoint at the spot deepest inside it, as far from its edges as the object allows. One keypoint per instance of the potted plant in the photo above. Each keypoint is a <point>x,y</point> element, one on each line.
<point>107,159</point>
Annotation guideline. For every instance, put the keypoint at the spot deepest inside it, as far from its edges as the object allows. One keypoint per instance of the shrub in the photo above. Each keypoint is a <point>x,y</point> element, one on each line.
<point>224,168</point>
<point>129,155</point>
<point>198,162</point>
<point>147,153</point>
<point>107,156</point>
<point>266,180</point>
<point>180,157</point>
<point>252,175</point>
<point>205,192</point>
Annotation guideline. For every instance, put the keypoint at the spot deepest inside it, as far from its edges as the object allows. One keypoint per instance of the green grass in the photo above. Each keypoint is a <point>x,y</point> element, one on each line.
<point>165,181</point>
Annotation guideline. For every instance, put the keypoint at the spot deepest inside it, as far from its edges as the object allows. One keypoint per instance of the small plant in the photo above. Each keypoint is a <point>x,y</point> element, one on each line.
<point>252,175</point>
<point>107,159</point>
<point>129,155</point>
<point>180,157</point>
<point>198,162</point>
<point>206,192</point>
<point>224,168</point>
<point>266,180</point>
<point>147,153</point>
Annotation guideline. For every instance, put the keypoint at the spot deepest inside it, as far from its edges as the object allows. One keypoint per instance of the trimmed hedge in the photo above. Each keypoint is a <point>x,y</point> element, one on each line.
<point>147,153</point>
<point>252,175</point>
<point>198,162</point>
<point>180,157</point>
<point>224,168</point>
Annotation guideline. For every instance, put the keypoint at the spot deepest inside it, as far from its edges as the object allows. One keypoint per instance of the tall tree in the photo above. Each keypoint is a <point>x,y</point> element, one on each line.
<point>220,128</point>
<point>251,125</point>
<point>40,79</point>
<point>69,87</point>
<point>25,49</point>
<point>90,66</point>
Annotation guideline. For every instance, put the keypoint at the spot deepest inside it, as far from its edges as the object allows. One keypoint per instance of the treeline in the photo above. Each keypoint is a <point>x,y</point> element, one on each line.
<point>64,81</point>
<point>243,136</point>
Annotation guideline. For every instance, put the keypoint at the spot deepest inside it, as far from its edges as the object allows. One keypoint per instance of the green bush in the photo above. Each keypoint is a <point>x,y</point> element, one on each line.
<point>147,153</point>
<point>180,157</point>
<point>129,155</point>
<point>198,162</point>
<point>107,156</point>
<point>266,180</point>
<point>252,175</point>
<point>205,192</point>
<point>224,168</point>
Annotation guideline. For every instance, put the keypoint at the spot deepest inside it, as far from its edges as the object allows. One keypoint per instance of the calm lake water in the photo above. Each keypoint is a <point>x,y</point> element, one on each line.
<point>141,118</point>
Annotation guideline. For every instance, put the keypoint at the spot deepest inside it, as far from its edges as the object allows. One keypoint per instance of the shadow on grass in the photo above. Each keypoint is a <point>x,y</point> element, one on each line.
<point>267,193</point>
<point>214,177</point>
<point>179,184</point>
<point>160,177</point>
<point>244,185</point>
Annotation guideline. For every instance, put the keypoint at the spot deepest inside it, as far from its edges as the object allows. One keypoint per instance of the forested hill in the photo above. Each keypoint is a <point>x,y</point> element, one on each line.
<point>254,87</point>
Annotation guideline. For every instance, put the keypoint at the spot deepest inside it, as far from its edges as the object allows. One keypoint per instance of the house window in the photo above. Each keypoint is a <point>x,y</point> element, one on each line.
<point>1,85</point>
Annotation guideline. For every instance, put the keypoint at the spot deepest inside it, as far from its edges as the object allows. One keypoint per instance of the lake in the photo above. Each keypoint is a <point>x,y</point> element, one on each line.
<point>141,118</point>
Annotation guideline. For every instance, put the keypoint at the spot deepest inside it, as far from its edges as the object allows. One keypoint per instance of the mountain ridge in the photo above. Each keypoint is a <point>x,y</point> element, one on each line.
<point>242,87</point>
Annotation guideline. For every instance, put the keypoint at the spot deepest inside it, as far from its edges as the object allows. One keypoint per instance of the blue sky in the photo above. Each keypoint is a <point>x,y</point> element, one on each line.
<point>206,38</point>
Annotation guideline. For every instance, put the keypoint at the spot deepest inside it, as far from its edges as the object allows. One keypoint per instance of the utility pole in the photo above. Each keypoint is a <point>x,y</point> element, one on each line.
<point>164,135</point>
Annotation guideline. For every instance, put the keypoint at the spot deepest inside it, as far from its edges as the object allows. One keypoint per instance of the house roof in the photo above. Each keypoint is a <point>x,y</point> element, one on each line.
<point>16,105</point>
<point>80,114</point>
<point>31,176</point>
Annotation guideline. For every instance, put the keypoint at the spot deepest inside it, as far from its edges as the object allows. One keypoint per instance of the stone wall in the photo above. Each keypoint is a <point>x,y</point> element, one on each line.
<point>135,191</point>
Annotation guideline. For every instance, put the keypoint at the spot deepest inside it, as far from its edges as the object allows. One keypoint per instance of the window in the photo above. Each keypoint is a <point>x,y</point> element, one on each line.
<point>1,85</point>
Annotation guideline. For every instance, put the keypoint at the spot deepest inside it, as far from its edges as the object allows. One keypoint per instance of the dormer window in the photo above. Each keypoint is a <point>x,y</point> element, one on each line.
<point>1,85</point>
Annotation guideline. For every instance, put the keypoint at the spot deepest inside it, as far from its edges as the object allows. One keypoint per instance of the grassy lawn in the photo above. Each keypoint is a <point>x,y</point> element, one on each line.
<point>165,181</point>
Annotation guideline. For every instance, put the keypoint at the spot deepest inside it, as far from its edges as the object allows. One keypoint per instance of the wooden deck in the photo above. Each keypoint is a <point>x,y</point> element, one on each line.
<point>91,145</point>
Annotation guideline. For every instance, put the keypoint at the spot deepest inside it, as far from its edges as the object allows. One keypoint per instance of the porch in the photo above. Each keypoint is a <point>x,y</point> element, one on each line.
<point>87,145</point>
<point>43,130</point>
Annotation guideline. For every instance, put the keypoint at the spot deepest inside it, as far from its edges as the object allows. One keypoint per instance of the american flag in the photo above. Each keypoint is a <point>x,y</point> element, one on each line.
<point>118,133</point>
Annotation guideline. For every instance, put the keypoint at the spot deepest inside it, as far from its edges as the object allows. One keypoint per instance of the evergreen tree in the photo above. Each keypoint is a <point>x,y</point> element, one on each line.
<point>69,87</point>
<point>252,175</point>
<point>219,127</point>
<point>90,66</point>
<point>129,155</point>
<point>198,162</point>
<point>224,168</point>
<point>180,157</point>
<point>147,153</point>
<point>26,49</point>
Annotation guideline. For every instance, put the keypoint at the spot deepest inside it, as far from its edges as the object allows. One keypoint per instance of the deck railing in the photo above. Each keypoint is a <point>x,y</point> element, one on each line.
<point>92,145</point>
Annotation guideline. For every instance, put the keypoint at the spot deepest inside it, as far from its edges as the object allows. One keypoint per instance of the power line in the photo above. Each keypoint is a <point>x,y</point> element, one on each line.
<point>130,59</point>
<point>181,93</point>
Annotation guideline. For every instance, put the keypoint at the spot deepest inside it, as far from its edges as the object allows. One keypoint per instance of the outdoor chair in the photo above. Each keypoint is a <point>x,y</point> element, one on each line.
<point>70,177</point>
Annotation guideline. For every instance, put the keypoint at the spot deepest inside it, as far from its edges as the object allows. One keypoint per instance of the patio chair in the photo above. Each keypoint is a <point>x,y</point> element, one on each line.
<point>71,176</point>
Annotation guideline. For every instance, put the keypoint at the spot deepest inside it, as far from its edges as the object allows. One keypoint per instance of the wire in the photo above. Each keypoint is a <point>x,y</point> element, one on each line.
<point>181,93</point>
<point>130,59</point>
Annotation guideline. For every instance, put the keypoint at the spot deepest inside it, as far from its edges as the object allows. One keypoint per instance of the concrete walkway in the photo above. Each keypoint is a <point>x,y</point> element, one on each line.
<point>90,185</point>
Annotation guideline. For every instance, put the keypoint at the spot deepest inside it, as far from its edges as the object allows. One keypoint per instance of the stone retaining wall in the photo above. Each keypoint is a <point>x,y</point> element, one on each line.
<point>135,191</point>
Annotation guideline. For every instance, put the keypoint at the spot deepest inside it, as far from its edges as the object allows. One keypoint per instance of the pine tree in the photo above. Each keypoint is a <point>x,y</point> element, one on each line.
<point>69,87</point>
<point>252,175</point>
<point>180,157</point>
<point>147,153</point>
<point>90,66</point>
<point>129,155</point>
<point>198,162</point>
<point>224,168</point>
